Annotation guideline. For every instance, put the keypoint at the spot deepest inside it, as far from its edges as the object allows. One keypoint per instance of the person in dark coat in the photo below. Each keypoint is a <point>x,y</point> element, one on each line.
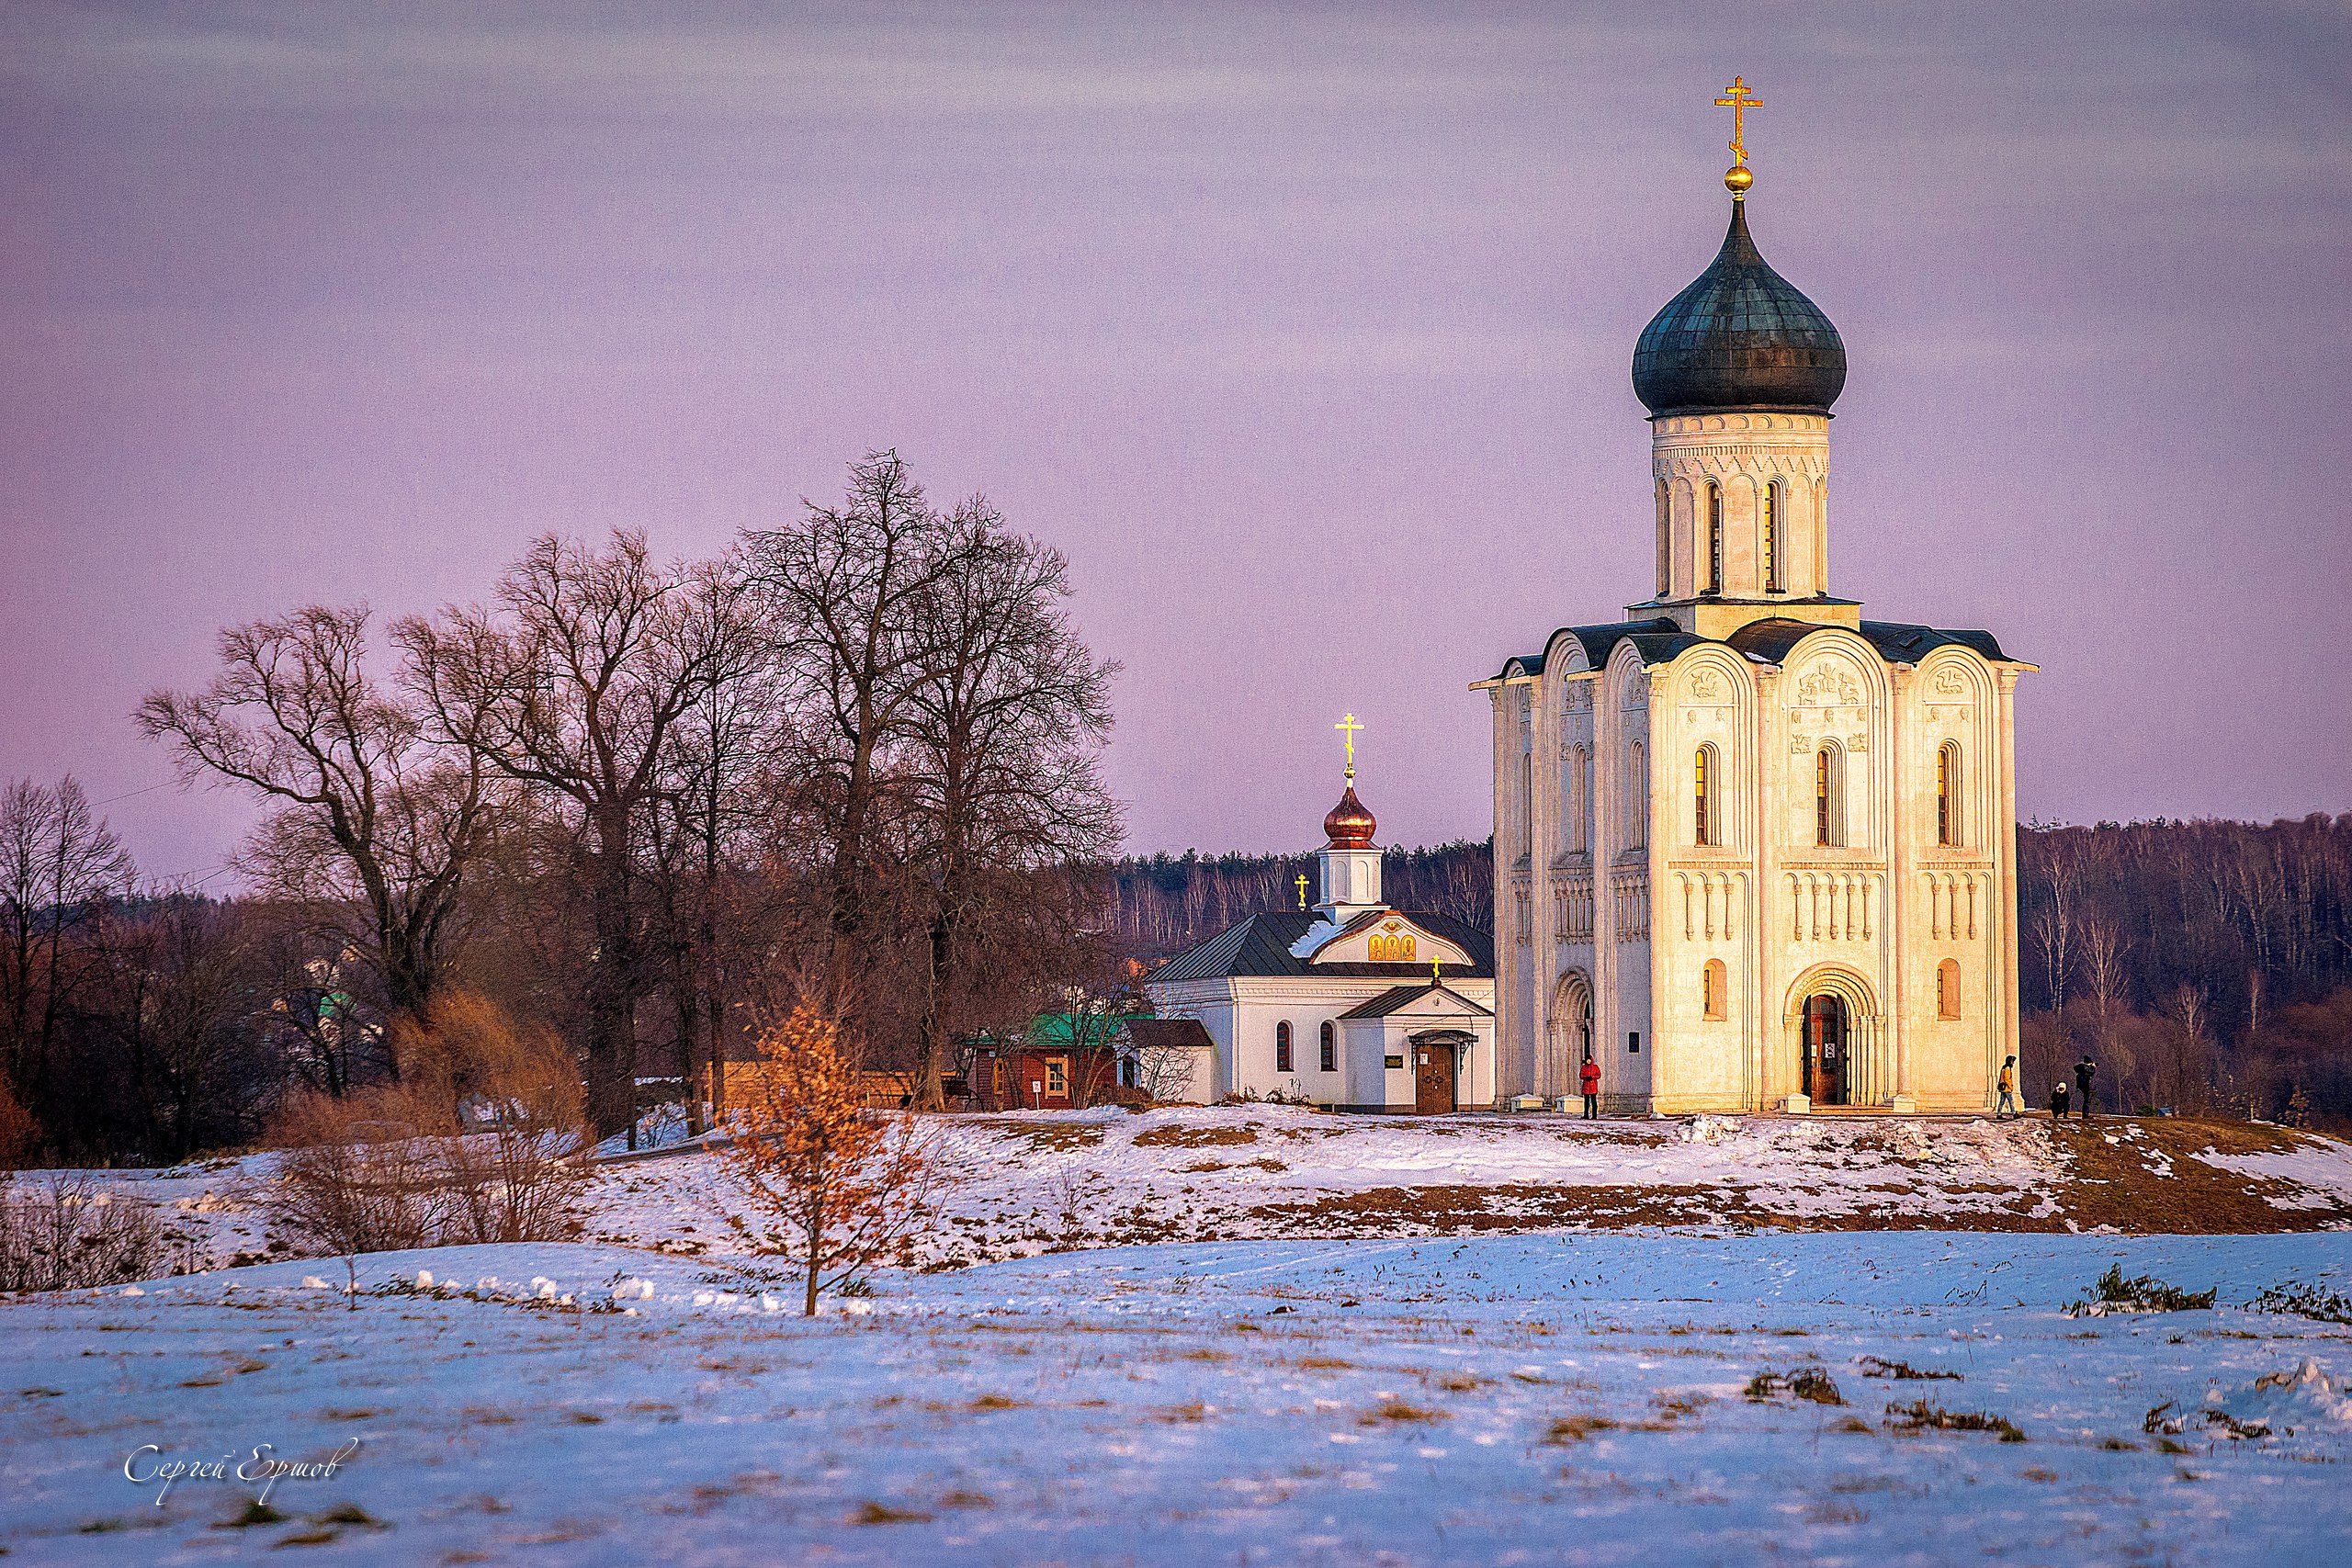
<point>2085,1070</point>
<point>1589,1076</point>
<point>2058,1100</point>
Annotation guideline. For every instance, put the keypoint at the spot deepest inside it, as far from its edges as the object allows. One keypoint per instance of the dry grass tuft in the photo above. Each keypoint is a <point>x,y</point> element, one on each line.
<point>1397,1411</point>
<point>1577,1428</point>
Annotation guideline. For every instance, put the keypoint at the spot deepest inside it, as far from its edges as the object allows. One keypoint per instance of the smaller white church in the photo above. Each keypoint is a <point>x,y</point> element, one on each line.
<point>1350,1004</point>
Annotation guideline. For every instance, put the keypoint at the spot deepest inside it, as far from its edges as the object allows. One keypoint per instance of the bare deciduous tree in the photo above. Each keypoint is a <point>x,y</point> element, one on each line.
<point>1003,770</point>
<point>375,819</point>
<point>572,687</point>
<point>58,864</point>
<point>842,589</point>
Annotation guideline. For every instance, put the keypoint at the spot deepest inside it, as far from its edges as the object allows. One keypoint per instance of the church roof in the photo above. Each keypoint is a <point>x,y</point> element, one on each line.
<point>1258,946</point>
<point>1168,1033</point>
<point>1741,336</point>
<point>1402,997</point>
<point>1898,642</point>
<point>1658,641</point>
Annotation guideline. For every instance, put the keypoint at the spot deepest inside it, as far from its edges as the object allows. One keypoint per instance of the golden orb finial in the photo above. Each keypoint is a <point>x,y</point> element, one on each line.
<point>1736,179</point>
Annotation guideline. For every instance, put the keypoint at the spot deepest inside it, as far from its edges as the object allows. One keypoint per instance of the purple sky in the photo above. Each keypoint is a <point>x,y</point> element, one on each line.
<point>1305,334</point>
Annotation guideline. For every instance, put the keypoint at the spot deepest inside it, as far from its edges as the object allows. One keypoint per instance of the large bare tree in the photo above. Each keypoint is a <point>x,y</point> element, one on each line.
<point>842,590</point>
<point>378,821</point>
<point>1010,719</point>
<point>572,685</point>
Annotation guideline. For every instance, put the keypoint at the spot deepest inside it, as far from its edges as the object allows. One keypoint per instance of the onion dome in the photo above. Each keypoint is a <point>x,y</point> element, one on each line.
<point>1349,825</point>
<point>1740,337</point>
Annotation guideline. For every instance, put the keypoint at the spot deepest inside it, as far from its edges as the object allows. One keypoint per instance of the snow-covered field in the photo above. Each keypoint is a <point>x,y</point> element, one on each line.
<point>1555,1398</point>
<point>1258,1335</point>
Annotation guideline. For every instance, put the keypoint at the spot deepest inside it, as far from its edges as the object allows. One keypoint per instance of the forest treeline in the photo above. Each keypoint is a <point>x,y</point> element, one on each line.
<point>2206,966</point>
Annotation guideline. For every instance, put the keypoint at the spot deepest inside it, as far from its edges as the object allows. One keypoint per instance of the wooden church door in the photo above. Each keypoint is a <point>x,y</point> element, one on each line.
<point>1432,1079</point>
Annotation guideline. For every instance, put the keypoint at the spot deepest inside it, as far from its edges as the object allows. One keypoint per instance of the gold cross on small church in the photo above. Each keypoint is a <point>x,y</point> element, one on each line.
<point>1302,890</point>
<point>1739,101</point>
<point>1348,726</point>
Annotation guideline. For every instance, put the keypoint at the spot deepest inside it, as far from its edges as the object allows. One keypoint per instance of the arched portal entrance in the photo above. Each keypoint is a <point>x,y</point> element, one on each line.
<point>1837,1041</point>
<point>1570,1038</point>
<point>1826,1070</point>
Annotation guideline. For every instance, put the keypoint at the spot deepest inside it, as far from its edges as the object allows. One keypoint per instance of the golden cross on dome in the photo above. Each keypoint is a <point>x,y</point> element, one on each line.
<point>1302,890</point>
<point>1348,727</point>
<point>1739,101</point>
<point>1437,974</point>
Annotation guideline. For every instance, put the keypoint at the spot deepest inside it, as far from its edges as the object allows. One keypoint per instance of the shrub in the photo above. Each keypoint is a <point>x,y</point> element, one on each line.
<point>483,1140</point>
<point>1806,1383</point>
<point>2112,1292</point>
<point>67,1235</point>
<point>2305,1301</point>
<point>846,1187</point>
<point>19,1133</point>
<point>1920,1416</point>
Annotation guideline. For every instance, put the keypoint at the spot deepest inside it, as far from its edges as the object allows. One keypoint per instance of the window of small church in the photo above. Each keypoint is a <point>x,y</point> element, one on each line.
<point>1711,989</point>
<point>1948,793</point>
<point>1704,816</point>
<point>1948,988</point>
<point>1282,1046</point>
<point>1773,537</point>
<point>1058,1074</point>
<point>1828,796</point>
<point>1330,1047</point>
<point>1714,537</point>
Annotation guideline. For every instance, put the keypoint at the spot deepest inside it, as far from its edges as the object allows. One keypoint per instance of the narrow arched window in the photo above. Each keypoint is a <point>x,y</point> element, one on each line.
<point>1948,988</point>
<point>1330,1062</point>
<point>1584,797</point>
<point>1282,1046</point>
<point>1580,797</point>
<point>1948,793</point>
<point>1702,805</point>
<point>1828,796</point>
<point>1665,540</point>
<point>1711,989</point>
<point>1773,537</point>
<point>1637,797</point>
<point>1714,537</point>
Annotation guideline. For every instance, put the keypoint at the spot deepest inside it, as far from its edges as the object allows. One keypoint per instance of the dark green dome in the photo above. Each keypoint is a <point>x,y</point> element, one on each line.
<point>1740,337</point>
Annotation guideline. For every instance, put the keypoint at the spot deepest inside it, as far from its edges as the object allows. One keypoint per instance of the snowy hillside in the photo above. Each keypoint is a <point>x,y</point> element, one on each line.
<point>1031,1183</point>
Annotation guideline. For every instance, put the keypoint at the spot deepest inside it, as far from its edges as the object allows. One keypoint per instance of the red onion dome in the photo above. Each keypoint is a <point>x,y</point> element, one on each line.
<point>1349,825</point>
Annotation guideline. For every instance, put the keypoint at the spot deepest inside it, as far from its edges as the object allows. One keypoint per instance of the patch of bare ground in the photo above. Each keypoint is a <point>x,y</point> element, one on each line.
<point>1447,1208</point>
<point>1177,1136</point>
<point>2149,1181</point>
<point>1052,1138</point>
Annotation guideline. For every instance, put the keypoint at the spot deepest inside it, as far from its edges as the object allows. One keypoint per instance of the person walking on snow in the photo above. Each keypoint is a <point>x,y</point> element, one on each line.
<point>2008,1101</point>
<point>1589,1076</point>
<point>2085,1070</point>
<point>2058,1102</point>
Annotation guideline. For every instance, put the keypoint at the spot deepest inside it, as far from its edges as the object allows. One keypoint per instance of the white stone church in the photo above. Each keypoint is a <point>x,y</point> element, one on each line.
<point>1751,849</point>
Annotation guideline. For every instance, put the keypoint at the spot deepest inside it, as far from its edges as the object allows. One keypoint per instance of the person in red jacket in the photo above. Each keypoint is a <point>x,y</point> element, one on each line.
<point>1588,1075</point>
